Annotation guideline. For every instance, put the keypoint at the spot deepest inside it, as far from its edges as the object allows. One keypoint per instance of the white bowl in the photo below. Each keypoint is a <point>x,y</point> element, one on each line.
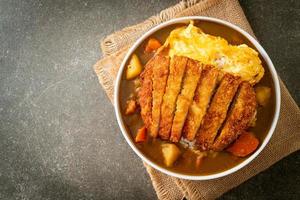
<point>263,54</point>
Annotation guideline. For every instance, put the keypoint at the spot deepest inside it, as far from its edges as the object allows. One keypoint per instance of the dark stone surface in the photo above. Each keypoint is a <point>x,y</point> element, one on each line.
<point>58,135</point>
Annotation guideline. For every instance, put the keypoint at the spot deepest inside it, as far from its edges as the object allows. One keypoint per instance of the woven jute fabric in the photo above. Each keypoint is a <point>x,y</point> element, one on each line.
<point>285,140</point>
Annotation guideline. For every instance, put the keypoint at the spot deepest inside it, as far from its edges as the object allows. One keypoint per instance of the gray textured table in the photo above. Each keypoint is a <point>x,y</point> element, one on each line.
<point>58,135</point>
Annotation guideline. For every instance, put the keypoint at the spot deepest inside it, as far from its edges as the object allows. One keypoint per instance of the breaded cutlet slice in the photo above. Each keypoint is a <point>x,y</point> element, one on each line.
<point>159,81</point>
<point>177,69</point>
<point>185,98</point>
<point>217,111</point>
<point>239,117</point>
<point>145,93</point>
<point>203,94</point>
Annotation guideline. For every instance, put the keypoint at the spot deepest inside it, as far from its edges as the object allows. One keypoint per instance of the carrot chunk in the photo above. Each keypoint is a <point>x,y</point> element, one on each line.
<point>244,145</point>
<point>152,45</point>
<point>141,135</point>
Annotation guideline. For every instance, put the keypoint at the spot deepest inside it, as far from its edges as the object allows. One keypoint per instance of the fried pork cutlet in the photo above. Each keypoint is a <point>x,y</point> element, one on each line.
<point>177,69</point>
<point>145,93</point>
<point>217,111</point>
<point>190,81</point>
<point>203,94</point>
<point>159,81</point>
<point>239,117</point>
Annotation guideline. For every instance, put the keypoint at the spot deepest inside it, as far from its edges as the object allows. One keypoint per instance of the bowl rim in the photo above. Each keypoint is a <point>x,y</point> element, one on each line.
<point>263,54</point>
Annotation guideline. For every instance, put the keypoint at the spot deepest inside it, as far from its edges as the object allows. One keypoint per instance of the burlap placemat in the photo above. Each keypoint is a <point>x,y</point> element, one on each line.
<point>286,138</point>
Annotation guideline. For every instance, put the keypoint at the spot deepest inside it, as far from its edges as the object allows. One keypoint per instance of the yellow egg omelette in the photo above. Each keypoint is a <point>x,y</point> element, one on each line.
<point>192,42</point>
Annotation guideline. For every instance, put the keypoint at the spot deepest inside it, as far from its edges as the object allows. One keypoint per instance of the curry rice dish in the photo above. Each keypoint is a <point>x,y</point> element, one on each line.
<point>197,118</point>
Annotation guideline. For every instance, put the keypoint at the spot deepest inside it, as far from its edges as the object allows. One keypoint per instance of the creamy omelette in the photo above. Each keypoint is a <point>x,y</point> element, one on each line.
<point>192,42</point>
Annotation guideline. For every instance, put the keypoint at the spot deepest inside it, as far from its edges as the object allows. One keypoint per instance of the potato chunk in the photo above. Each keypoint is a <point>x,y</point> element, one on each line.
<point>134,68</point>
<point>170,153</point>
<point>263,95</point>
